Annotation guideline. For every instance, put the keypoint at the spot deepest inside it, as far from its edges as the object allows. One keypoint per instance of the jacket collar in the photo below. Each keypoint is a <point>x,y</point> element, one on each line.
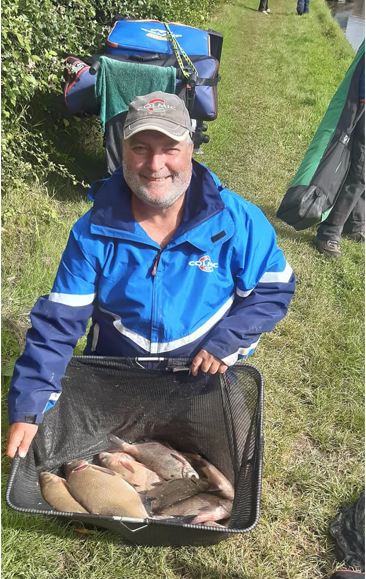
<point>112,206</point>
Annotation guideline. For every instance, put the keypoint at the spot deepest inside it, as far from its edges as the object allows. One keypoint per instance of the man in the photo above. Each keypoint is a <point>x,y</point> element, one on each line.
<point>347,217</point>
<point>263,7</point>
<point>167,263</point>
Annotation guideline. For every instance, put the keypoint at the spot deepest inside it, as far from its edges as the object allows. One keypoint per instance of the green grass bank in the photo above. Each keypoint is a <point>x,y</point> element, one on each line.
<point>279,73</point>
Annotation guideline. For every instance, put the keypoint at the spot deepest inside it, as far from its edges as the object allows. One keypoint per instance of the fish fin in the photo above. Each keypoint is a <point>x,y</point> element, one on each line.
<point>192,455</point>
<point>224,507</point>
<point>117,442</point>
<point>200,519</point>
<point>179,458</point>
<point>126,464</point>
<point>212,488</point>
<point>103,469</point>
<point>158,484</point>
<point>147,503</point>
<point>206,509</point>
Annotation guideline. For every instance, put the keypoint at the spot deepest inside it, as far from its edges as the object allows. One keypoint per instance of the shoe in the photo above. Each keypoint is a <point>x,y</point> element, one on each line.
<point>358,236</point>
<point>268,10</point>
<point>330,247</point>
<point>263,12</point>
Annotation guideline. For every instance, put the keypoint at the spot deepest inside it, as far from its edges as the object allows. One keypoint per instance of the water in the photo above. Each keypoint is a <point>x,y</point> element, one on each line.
<point>351,18</point>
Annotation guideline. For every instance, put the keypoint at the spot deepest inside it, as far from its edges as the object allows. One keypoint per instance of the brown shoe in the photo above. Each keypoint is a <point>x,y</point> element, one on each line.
<point>330,247</point>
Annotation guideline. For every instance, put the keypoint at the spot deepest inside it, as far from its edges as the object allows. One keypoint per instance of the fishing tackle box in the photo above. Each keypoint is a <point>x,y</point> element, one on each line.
<point>218,416</point>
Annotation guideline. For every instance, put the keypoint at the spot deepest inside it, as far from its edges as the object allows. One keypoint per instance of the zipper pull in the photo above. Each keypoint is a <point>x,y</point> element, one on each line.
<point>156,263</point>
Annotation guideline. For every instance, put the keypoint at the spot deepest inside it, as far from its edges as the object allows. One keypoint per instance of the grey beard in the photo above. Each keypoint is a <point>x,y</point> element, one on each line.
<point>179,187</point>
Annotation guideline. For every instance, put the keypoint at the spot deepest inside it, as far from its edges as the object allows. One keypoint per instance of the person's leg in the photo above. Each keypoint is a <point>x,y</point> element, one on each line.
<point>300,7</point>
<point>306,6</point>
<point>355,224</point>
<point>350,206</point>
<point>354,227</point>
<point>262,6</point>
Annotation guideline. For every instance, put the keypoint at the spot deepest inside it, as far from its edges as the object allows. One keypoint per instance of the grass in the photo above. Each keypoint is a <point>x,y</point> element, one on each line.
<point>278,76</point>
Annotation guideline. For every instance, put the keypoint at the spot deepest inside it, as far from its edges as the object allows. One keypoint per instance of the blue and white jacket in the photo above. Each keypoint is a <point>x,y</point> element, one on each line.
<point>219,283</point>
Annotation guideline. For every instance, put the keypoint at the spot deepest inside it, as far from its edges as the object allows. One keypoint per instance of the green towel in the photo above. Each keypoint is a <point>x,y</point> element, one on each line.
<point>119,83</point>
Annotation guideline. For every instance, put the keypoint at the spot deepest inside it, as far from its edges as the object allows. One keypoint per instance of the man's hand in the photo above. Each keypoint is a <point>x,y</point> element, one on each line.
<point>20,435</point>
<point>206,362</point>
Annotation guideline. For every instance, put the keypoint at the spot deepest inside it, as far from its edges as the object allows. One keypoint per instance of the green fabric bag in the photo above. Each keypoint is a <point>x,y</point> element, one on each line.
<point>322,172</point>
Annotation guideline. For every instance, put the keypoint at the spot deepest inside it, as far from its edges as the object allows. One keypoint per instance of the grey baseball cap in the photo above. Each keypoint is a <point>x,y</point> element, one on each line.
<point>158,111</point>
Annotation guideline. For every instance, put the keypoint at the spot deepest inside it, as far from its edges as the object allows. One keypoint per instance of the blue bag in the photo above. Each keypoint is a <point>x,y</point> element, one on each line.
<point>148,42</point>
<point>195,51</point>
<point>151,36</point>
<point>79,88</point>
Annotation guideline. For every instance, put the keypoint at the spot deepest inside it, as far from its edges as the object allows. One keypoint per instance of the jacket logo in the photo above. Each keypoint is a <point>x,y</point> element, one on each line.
<point>204,263</point>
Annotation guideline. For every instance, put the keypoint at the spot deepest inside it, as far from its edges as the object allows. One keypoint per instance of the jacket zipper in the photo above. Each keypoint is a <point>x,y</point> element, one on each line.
<point>155,300</point>
<point>156,263</point>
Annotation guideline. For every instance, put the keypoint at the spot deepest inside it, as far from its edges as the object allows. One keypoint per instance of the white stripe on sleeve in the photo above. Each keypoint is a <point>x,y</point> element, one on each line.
<point>230,360</point>
<point>71,299</point>
<point>277,276</point>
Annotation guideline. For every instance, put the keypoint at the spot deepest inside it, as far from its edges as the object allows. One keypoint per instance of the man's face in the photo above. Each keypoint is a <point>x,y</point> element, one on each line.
<point>157,169</point>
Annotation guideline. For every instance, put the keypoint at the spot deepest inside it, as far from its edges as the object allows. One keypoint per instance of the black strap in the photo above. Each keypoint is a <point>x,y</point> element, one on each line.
<point>345,137</point>
<point>208,81</point>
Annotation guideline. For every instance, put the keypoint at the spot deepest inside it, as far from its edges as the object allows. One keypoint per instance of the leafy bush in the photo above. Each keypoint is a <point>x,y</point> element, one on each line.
<point>36,38</point>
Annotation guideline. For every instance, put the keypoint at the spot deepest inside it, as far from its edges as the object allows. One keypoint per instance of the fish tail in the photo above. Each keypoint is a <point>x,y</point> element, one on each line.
<point>117,443</point>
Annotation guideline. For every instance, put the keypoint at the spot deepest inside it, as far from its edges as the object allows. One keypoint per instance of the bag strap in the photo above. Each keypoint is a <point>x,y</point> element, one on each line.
<point>190,76</point>
<point>360,112</point>
<point>179,53</point>
<point>345,137</point>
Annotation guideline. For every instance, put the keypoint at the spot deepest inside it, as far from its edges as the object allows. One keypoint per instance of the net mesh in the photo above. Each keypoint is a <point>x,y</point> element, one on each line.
<point>219,417</point>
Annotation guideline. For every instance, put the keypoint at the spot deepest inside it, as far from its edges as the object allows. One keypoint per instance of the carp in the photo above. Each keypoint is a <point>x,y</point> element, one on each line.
<point>56,491</point>
<point>204,507</point>
<point>218,482</point>
<point>173,491</point>
<point>161,458</point>
<point>102,491</point>
<point>135,473</point>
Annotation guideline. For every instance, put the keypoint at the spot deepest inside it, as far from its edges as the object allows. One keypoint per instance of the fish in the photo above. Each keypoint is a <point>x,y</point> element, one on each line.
<point>204,507</point>
<point>173,491</point>
<point>218,482</point>
<point>56,491</point>
<point>161,458</point>
<point>134,472</point>
<point>104,492</point>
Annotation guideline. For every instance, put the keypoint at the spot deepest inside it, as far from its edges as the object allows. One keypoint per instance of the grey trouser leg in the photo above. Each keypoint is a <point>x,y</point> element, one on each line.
<point>348,213</point>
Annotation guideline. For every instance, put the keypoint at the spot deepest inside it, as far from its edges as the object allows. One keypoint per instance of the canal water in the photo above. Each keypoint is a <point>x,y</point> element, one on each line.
<point>351,18</point>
